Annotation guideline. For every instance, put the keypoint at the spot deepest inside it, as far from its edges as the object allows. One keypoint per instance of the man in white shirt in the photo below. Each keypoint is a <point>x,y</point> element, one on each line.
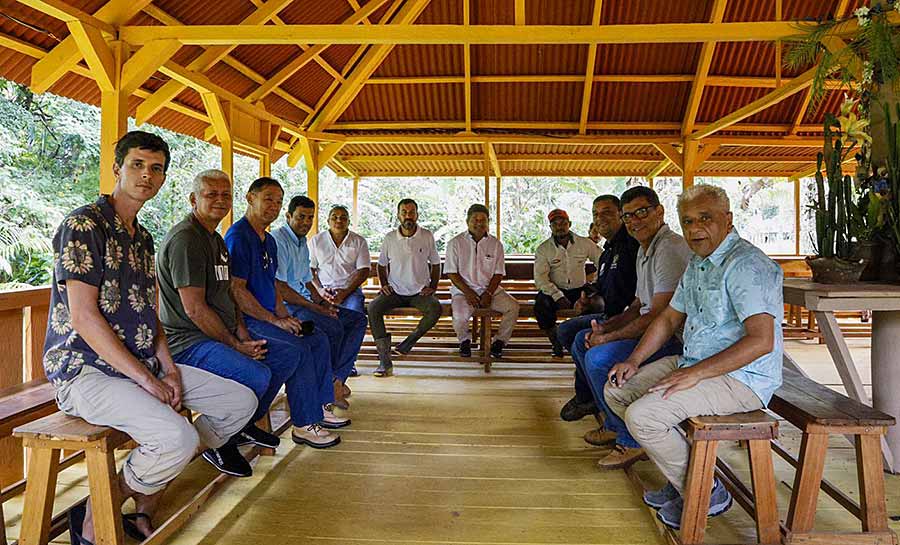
<point>475,266</point>
<point>340,262</point>
<point>409,268</point>
<point>559,273</point>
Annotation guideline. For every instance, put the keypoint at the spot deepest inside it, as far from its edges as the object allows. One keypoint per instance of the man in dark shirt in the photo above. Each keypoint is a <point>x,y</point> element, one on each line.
<point>301,363</point>
<point>106,354</point>
<point>196,309</point>
<point>616,283</point>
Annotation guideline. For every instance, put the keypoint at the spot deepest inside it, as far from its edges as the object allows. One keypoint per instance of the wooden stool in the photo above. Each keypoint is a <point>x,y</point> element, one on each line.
<point>705,432</point>
<point>46,437</point>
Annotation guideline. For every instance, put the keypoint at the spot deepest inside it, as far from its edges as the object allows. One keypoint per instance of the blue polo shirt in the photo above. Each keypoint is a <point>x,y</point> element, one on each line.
<point>293,267</point>
<point>719,292</point>
<point>253,260</point>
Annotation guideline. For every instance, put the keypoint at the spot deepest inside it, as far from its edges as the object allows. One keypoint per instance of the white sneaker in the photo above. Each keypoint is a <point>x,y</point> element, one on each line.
<point>331,420</point>
<point>314,436</point>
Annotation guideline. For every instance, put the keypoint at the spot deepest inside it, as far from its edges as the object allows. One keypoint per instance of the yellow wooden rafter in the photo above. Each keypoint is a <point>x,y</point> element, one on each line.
<point>519,13</point>
<point>219,116</point>
<point>706,55</point>
<point>587,88</point>
<point>65,56</point>
<point>467,69</point>
<point>145,62</point>
<point>67,13</point>
<point>97,54</point>
<point>657,170</point>
<point>490,159</point>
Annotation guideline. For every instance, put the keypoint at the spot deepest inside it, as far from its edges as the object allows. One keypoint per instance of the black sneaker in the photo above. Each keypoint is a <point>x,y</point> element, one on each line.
<point>465,349</point>
<point>354,372</point>
<point>557,350</point>
<point>574,410</point>
<point>254,435</point>
<point>497,349</point>
<point>228,460</point>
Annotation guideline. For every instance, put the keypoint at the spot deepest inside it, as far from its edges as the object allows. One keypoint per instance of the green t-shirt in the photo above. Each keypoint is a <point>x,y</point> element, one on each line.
<point>192,256</point>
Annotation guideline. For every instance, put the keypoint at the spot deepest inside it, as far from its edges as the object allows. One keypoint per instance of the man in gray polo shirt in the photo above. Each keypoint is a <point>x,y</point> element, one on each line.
<point>661,259</point>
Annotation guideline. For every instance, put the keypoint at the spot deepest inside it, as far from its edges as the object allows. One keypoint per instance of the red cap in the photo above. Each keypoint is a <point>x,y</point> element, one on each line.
<point>557,213</point>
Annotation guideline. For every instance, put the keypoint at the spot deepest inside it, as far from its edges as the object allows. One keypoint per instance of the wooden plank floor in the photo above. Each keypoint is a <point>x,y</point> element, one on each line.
<point>442,453</point>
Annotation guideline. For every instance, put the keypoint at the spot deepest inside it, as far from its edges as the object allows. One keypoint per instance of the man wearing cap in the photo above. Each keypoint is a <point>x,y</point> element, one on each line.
<point>475,266</point>
<point>559,273</point>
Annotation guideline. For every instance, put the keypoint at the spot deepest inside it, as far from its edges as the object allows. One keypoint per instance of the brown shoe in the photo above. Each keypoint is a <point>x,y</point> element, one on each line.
<point>339,396</point>
<point>347,391</point>
<point>621,457</point>
<point>600,437</point>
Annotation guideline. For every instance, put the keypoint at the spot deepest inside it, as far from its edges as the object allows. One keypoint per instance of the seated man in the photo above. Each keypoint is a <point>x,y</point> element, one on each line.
<point>559,273</point>
<point>409,268</point>
<point>661,260</point>
<point>345,328</point>
<point>615,285</point>
<point>730,303</point>
<point>594,234</point>
<point>201,321</point>
<point>340,262</point>
<point>301,363</point>
<point>107,356</point>
<point>476,266</point>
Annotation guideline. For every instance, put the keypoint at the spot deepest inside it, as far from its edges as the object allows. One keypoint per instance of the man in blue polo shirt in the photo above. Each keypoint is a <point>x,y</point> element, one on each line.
<point>301,363</point>
<point>730,303</point>
<point>344,327</point>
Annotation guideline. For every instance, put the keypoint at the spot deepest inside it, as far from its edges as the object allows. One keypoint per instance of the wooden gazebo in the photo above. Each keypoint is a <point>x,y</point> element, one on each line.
<point>443,87</point>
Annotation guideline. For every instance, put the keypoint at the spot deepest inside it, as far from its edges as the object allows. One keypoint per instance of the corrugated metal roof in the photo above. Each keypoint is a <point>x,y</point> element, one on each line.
<point>510,103</point>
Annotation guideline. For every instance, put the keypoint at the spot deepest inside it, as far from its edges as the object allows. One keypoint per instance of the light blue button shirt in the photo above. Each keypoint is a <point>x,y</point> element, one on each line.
<point>718,293</point>
<point>293,260</point>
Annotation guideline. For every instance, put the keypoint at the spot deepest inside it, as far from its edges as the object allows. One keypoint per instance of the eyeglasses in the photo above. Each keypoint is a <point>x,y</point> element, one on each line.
<point>640,213</point>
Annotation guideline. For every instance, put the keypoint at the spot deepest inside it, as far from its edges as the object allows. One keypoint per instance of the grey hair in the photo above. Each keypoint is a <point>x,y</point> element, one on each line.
<point>208,174</point>
<point>704,190</point>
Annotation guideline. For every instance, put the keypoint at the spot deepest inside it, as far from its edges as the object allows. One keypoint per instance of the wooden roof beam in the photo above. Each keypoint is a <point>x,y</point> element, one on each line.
<point>705,154</point>
<point>204,62</point>
<point>406,33</point>
<point>673,155</point>
<point>219,115</point>
<point>467,70</point>
<point>596,140</point>
<point>657,170</point>
<point>97,54</point>
<point>367,65</point>
<point>165,18</point>
<point>706,55</point>
<point>490,158</point>
<point>145,62</point>
<point>67,13</point>
<point>587,88</point>
<point>65,56</point>
<point>799,83</point>
<point>519,12</point>
<point>711,80</point>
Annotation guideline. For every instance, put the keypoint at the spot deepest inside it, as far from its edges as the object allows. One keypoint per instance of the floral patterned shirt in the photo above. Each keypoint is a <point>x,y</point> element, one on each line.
<point>93,246</point>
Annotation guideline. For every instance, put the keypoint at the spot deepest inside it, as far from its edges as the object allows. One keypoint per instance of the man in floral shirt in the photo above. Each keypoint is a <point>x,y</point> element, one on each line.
<point>106,353</point>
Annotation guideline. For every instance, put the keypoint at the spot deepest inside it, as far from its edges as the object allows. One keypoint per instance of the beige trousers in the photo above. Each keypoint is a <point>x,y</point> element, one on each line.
<point>653,421</point>
<point>167,441</point>
<point>502,302</point>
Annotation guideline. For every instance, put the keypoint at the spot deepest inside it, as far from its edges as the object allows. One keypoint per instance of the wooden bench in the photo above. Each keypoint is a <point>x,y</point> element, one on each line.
<point>47,436</point>
<point>757,428</point>
<point>820,412</point>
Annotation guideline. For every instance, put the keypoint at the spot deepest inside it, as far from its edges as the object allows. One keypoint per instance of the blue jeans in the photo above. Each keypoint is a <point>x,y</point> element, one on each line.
<point>355,301</point>
<point>302,364</point>
<point>597,363</point>
<point>226,362</point>
<point>345,335</point>
<point>566,333</point>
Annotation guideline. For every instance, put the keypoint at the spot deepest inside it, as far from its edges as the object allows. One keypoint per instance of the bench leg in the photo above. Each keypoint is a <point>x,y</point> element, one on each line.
<point>40,491</point>
<point>802,509</point>
<point>701,470</point>
<point>762,473</point>
<point>486,342</point>
<point>104,490</point>
<point>870,468</point>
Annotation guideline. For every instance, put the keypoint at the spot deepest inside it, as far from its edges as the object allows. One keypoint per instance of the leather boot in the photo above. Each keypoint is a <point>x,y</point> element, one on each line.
<point>557,347</point>
<point>385,365</point>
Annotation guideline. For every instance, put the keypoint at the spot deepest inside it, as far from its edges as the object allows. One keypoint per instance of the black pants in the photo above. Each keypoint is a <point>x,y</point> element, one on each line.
<point>545,307</point>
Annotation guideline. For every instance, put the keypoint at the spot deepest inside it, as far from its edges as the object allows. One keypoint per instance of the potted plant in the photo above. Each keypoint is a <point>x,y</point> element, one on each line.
<point>837,213</point>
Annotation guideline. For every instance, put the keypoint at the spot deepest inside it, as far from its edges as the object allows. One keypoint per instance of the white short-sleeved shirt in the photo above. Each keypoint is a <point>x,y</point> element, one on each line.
<point>337,264</point>
<point>409,260</point>
<point>476,262</point>
<point>660,266</point>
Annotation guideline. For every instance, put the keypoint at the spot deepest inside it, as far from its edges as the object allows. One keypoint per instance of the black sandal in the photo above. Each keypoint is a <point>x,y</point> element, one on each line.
<point>131,529</point>
<point>76,524</point>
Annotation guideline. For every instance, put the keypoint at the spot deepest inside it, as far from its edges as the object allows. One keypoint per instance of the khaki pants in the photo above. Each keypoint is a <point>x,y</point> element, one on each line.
<point>166,440</point>
<point>502,302</point>
<point>653,421</point>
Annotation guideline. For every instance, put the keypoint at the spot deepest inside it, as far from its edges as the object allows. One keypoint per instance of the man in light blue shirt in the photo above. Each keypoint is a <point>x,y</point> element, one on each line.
<point>730,302</point>
<point>344,327</point>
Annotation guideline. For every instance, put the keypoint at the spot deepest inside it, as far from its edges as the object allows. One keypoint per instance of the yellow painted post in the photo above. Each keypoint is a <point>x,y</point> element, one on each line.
<point>797,216</point>
<point>487,192</point>
<point>689,154</point>
<point>113,121</point>
<point>311,156</point>
<point>265,166</point>
<point>497,195</point>
<point>355,198</point>
<point>228,168</point>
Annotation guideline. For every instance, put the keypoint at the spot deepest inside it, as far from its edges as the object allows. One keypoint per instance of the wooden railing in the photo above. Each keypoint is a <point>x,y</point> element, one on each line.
<point>23,325</point>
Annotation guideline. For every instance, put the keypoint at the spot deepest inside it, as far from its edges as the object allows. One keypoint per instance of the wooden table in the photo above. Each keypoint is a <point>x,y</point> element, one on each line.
<point>884,302</point>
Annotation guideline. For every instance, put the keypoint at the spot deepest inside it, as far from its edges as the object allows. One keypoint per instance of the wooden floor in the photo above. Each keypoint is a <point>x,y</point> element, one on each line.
<point>442,453</point>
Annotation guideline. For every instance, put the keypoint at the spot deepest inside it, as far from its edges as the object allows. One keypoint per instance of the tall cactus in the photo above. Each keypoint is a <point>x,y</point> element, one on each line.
<point>834,205</point>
